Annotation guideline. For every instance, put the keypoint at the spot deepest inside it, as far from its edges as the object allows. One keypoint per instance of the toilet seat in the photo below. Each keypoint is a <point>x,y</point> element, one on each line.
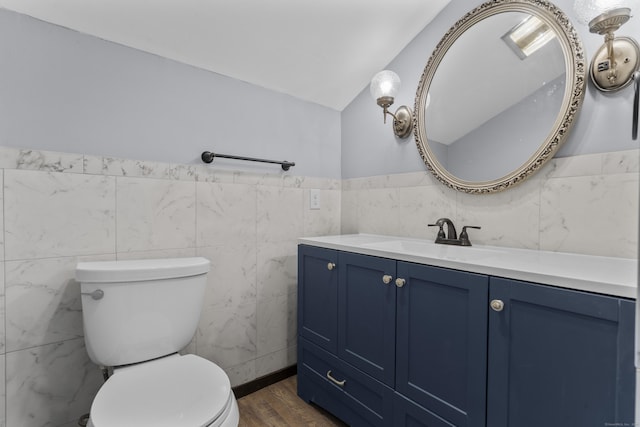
<point>175,391</point>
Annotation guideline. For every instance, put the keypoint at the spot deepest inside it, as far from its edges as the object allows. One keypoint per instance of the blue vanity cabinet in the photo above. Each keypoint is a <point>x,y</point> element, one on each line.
<point>559,357</point>
<point>441,345</point>
<point>318,298</point>
<point>367,314</point>
<point>384,342</point>
<point>346,334</point>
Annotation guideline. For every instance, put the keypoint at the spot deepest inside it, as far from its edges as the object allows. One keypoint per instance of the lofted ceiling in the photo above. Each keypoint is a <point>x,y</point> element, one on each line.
<point>322,51</point>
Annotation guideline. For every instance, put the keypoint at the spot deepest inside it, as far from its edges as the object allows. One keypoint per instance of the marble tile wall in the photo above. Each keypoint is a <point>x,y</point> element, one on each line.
<point>584,204</point>
<point>59,208</point>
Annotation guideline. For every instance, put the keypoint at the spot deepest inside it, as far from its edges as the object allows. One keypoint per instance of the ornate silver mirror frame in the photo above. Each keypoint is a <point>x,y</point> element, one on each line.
<point>573,85</point>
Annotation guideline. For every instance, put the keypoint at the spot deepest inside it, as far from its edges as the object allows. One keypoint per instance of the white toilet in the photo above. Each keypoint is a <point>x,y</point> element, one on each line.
<point>137,316</point>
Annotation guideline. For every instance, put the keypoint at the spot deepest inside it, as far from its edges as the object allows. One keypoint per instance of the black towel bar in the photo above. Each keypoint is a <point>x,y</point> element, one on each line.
<point>208,157</point>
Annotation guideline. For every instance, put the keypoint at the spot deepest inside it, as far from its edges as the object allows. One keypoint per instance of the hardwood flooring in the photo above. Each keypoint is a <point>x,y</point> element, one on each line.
<point>278,405</point>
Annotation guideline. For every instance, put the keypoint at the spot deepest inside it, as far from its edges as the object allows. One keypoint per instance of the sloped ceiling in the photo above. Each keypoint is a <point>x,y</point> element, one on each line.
<point>322,51</point>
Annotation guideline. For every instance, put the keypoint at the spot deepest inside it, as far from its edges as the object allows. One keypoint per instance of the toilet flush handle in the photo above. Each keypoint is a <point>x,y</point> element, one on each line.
<point>97,294</point>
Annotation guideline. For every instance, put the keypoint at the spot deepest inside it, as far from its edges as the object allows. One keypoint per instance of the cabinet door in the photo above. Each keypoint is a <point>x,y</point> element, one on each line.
<point>367,315</point>
<point>318,296</point>
<point>442,342</point>
<point>559,358</point>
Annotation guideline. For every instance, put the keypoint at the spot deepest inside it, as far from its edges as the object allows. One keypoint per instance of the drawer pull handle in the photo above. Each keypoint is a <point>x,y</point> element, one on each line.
<point>497,305</point>
<point>335,381</point>
<point>331,266</point>
<point>386,279</point>
<point>400,282</point>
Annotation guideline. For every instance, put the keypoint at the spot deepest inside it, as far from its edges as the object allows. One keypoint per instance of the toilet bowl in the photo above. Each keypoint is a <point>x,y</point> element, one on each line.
<point>174,391</point>
<point>137,316</point>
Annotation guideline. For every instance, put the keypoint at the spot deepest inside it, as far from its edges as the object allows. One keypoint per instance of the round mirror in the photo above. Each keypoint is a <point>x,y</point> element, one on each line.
<point>499,95</point>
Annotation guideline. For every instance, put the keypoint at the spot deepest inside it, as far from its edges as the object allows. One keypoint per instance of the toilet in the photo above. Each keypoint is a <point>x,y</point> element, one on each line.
<point>137,315</point>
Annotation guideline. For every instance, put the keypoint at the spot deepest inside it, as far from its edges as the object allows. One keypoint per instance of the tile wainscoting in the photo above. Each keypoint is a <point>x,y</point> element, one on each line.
<point>60,208</point>
<point>584,204</point>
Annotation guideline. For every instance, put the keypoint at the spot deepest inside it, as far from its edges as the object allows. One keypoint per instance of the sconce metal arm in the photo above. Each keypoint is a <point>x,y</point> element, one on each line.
<point>402,119</point>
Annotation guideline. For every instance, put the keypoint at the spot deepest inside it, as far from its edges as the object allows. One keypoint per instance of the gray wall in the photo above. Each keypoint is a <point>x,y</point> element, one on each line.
<point>503,136</point>
<point>65,91</point>
<point>369,147</point>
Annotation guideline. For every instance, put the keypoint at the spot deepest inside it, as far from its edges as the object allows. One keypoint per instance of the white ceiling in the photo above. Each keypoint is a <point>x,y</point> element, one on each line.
<point>323,51</point>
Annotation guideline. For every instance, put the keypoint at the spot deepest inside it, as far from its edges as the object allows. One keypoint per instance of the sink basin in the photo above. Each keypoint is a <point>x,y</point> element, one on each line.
<point>429,249</point>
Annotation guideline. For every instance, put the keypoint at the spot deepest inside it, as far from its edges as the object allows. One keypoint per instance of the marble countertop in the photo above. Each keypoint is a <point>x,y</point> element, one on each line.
<point>604,275</point>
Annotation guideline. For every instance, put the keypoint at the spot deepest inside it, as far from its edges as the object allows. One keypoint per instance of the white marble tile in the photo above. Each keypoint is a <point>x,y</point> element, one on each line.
<point>269,179</point>
<point>585,165</point>
<point>279,214</point>
<point>277,323</point>
<point>184,172</point>
<point>420,206</point>
<point>228,336</point>
<point>242,373</point>
<point>412,179</point>
<point>160,253</point>
<point>3,393</point>
<point>50,385</point>
<point>311,182</point>
<point>92,165</point>
<point>349,212</point>
<point>231,282</point>
<point>206,173</point>
<point>276,361</point>
<point>43,301</point>
<point>3,344</point>
<point>621,162</point>
<point>50,214</point>
<point>323,221</point>
<point>378,211</point>
<point>1,215</point>
<point>155,214</point>
<point>48,161</point>
<point>225,213</point>
<point>277,268</point>
<point>590,215</point>
<point>508,218</point>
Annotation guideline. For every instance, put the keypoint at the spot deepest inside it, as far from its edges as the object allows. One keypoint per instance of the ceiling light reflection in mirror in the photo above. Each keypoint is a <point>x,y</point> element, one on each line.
<point>528,36</point>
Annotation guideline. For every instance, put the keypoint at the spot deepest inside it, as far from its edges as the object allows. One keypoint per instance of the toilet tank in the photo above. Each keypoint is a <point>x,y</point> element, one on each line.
<point>138,310</point>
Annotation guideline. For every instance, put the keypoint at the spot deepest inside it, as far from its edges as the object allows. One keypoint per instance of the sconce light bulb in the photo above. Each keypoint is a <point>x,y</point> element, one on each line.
<point>385,84</point>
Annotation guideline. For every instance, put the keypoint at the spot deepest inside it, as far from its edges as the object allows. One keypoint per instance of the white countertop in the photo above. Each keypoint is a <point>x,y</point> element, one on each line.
<point>604,275</point>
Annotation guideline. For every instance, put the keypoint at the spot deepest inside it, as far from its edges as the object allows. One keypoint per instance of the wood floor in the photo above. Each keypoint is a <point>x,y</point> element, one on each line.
<point>279,406</point>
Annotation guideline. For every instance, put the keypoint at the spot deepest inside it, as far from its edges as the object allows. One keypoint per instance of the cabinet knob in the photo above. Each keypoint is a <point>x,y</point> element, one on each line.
<point>331,266</point>
<point>497,305</point>
<point>386,279</point>
<point>400,282</point>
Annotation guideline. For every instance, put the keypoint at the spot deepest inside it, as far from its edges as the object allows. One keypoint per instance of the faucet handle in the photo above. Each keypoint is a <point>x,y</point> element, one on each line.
<point>464,236</point>
<point>441,231</point>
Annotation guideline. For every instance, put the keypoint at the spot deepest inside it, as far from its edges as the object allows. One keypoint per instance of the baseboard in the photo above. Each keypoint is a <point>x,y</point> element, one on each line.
<point>262,382</point>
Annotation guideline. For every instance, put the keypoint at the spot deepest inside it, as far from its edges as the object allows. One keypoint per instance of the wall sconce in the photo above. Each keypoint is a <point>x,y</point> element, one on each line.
<point>614,63</point>
<point>384,87</point>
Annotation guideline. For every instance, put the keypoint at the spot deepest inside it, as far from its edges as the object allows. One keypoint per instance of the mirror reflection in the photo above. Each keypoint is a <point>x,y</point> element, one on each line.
<point>498,95</point>
<point>503,106</point>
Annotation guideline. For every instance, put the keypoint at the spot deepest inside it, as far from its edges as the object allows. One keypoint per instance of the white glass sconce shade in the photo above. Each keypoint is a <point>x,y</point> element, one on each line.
<point>384,88</point>
<point>385,84</point>
<point>587,10</point>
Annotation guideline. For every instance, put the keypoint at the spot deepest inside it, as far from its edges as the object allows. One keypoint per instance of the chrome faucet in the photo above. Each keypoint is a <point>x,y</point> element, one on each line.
<point>451,238</point>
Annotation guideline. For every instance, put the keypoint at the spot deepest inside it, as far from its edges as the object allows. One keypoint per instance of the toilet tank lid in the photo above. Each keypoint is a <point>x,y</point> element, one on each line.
<point>140,270</point>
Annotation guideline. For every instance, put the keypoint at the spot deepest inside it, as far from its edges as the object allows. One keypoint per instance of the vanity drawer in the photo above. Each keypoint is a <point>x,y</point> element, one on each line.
<point>369,400</point>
